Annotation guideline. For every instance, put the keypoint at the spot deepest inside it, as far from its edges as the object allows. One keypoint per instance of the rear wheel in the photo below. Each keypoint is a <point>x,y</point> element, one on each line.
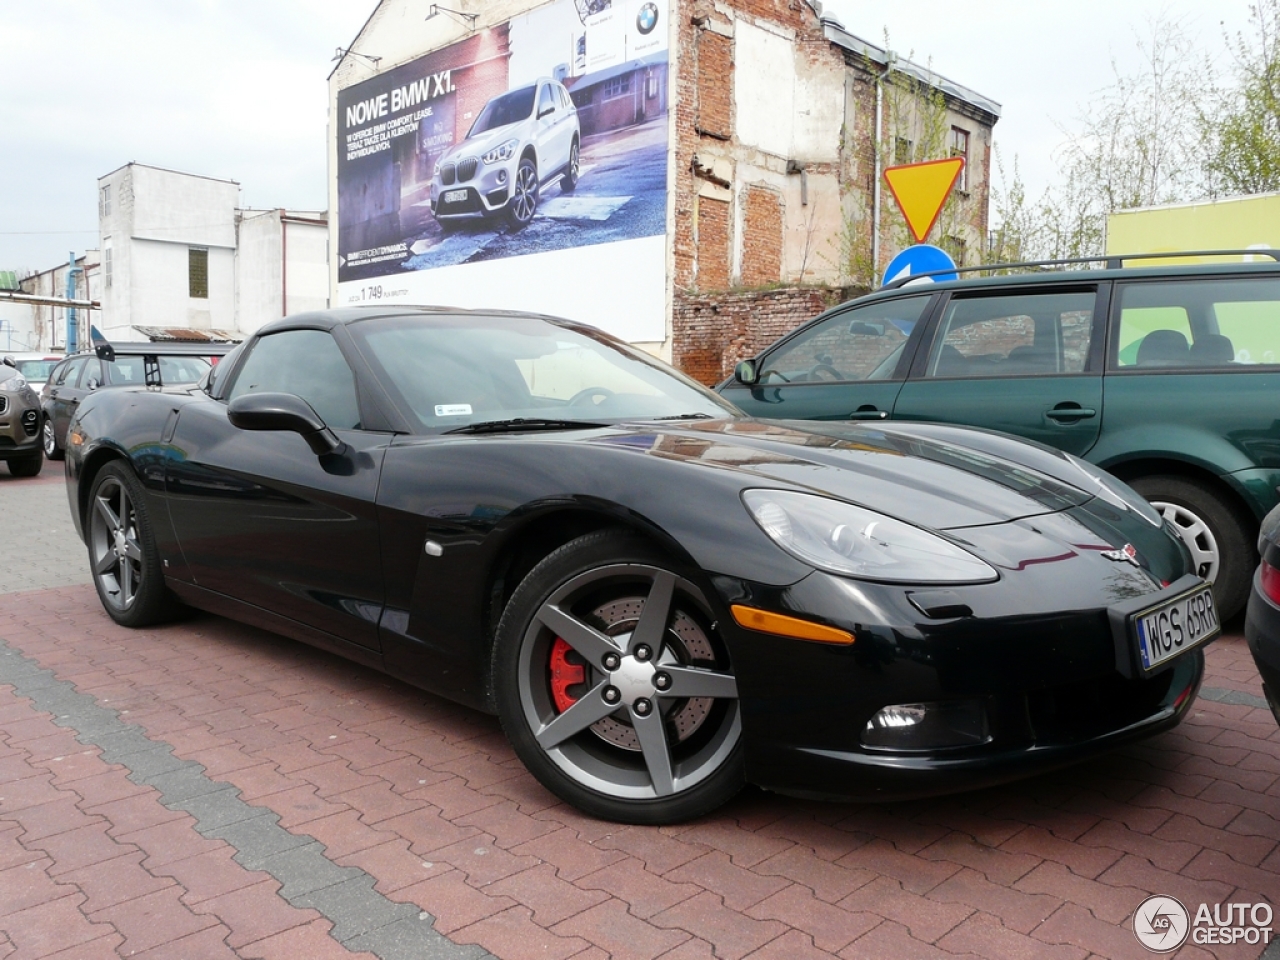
<point>27,466</point>
<point>1217,538</point>
<point>122,551</point>
<point>614,686</point>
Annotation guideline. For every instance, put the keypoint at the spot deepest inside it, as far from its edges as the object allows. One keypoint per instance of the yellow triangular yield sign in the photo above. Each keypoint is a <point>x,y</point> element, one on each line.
<point>921,189</point>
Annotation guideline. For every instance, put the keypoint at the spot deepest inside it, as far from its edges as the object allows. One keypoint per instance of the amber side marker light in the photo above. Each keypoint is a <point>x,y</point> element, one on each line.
<point>783,626</point>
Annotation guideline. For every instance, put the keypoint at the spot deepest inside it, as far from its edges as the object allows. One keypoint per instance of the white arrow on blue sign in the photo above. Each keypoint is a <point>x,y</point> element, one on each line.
<point>921,258</point>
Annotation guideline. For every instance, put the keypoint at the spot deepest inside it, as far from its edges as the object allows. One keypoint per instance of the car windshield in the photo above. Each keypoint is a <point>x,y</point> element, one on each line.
<point>509,108</point>
<point>36,371</point>
<point>172,369</point>
<point>451,372</point>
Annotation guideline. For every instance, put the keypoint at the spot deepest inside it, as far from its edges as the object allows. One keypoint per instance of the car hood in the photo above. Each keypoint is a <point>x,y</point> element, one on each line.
<point>482,143</point>
<point>942,477</point>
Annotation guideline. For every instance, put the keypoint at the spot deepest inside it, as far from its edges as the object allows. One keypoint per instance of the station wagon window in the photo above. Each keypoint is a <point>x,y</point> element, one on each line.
<point>1014,336</point>
<point>70,372</point>
<point>864,343</point>
<point>307,364</point>
<point>1198,323</point>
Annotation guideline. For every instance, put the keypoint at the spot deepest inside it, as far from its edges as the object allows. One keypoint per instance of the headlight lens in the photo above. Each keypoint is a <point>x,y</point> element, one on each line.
<point>13,384</point>
<point>852,541</point>
<point>1115,492</point>
<point>501,153</point>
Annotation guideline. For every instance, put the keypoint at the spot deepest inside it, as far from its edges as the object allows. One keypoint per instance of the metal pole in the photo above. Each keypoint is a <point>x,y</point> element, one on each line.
<point>71,311</point>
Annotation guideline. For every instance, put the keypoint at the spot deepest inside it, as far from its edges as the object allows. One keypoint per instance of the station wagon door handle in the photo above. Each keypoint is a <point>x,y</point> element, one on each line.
<point>868,412</point>
<point>1064,413</point>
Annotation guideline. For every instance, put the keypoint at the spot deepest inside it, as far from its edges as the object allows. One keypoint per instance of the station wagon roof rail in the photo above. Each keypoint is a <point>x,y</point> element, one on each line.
<point>1105,261</point>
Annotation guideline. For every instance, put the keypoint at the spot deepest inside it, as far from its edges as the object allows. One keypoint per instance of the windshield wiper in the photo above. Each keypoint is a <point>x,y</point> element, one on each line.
<point>524,423</point>
<point>688,416</point>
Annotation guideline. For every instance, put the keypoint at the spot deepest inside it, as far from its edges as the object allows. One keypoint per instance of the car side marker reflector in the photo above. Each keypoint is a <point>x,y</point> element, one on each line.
<point>763,621</point>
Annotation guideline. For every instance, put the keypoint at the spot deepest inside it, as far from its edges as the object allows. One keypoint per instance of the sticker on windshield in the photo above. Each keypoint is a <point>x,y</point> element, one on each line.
<point>453,409</point>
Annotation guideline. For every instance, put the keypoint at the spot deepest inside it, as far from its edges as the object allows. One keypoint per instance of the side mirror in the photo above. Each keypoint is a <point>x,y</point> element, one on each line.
<point>746,372</point>
<point>284,411</point>
<point>10,362</point>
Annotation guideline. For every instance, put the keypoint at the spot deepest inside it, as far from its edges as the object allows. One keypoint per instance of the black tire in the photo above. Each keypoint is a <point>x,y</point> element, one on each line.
<point>524,195</point>
<point>572,170</point>
<point>123,557</point>
<point>27,466</point>
<point>600,719</point>
<point>1218,538</point>
<point>49,439</point>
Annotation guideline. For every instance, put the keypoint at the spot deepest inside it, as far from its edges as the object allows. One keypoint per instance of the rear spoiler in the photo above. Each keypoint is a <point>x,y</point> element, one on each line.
<point>151,352</point>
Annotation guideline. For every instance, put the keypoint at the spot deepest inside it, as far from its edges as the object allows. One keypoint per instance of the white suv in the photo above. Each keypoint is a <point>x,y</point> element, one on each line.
<point>521,141</point>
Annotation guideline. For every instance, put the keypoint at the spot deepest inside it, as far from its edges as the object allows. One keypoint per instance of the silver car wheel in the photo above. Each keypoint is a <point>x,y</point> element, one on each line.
<point>1196,534</point>
<point>115,550</point>
<point>645,721</point>
<point>524,193</point>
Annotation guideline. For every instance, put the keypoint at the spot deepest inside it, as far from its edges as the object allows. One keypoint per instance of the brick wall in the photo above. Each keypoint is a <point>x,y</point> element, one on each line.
<point>713,331</point>
<point>712,236</point>
<point>761,237</point>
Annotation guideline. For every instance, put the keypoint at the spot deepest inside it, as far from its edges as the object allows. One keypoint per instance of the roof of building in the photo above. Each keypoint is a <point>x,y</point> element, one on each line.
<point>837,34</point>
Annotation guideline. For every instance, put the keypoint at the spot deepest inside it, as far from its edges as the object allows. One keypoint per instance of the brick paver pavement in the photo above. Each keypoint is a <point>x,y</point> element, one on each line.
<point>208,790</point>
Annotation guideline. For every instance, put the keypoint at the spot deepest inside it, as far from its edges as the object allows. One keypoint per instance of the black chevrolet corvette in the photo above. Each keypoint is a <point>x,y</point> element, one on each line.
<point>659,597</point>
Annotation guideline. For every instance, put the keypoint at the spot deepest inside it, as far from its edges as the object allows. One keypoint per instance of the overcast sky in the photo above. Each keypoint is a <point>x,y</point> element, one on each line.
<point>237,89</point>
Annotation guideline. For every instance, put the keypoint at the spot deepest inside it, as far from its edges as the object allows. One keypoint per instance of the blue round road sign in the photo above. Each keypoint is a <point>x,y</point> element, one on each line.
<point>922,258</point>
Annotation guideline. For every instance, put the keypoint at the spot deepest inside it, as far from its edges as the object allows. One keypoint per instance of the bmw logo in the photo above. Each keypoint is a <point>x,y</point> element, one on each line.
<point>647,18</point>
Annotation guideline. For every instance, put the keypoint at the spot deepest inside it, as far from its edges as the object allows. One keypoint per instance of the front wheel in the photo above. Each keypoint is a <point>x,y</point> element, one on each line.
<point>27,466</point>
<point>1220,546</point>
<point>569,181</point>
<point>615,687</point>
<point>524,195</point>
<point>122,551</point>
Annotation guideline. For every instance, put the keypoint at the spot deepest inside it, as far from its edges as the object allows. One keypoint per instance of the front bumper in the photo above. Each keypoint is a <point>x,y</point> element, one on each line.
<point>19,424</point>
<point>1041,668</point>
<point>484,193</point>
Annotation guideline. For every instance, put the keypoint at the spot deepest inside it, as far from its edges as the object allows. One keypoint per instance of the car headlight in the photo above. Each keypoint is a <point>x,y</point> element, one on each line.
<point>853,541</point>
<point>1115,492</point>
<point>502,153</point>
<point>13,384</point>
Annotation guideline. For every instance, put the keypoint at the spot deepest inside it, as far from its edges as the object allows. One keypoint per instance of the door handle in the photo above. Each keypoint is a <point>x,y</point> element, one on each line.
<point>1065,414</point>
<point>868,412</point>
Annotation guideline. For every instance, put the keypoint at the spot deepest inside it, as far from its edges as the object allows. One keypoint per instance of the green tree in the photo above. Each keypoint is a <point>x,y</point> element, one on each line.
<point>1246,131</point>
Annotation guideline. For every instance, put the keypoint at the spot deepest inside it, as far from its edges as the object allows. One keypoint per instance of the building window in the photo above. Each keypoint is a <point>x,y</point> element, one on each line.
<point>901,150</point>
<point>957,247</point>
<point>960,148</point>
<point>104,200</point>
<point>617,87</point>
<point>198,273</point>
<point>106,262</point>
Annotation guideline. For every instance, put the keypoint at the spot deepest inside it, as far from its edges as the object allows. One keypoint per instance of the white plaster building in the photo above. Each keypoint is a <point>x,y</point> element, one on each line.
<point>179,253</point>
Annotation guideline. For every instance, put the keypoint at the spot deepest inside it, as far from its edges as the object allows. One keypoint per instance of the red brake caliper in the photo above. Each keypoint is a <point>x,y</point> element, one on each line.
<point>564,675</point>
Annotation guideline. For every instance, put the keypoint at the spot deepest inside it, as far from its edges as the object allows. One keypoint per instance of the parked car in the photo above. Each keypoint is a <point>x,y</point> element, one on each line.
<point>78,376</point>
<point>1165,375</point>
<point>1262,618</point>
<point>19,422</point>
<point>523,140</point>
<point>659,597</point>
<point>36,367</point>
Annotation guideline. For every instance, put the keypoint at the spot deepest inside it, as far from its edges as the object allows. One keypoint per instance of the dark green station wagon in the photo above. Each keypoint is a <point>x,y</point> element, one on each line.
<point>1167,376</point>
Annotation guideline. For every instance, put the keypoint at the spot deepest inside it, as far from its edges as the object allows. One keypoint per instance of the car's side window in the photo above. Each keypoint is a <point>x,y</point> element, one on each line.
<point>71,372</point>
<point>1032,334</point>
<point>91,377</point>
<point>308,364</point>
<point>1197,324</point>
<point>546,101</point>
<point>864,343</point>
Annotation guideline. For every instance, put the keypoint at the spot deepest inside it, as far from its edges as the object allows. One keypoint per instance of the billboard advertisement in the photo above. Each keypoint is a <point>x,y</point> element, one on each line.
<point>522,167</point>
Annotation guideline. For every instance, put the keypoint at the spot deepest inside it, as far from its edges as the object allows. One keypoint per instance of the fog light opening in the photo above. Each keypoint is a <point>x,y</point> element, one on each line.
<point>928,726</point>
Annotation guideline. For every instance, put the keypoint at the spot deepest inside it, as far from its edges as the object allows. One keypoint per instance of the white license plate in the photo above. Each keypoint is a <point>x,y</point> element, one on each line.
<point>1175,626</point>
<point>454,196</point>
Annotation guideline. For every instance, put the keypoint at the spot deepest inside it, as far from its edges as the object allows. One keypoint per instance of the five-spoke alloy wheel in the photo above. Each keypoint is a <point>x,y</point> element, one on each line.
<point>122,552</point>
<point>614,686</point>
